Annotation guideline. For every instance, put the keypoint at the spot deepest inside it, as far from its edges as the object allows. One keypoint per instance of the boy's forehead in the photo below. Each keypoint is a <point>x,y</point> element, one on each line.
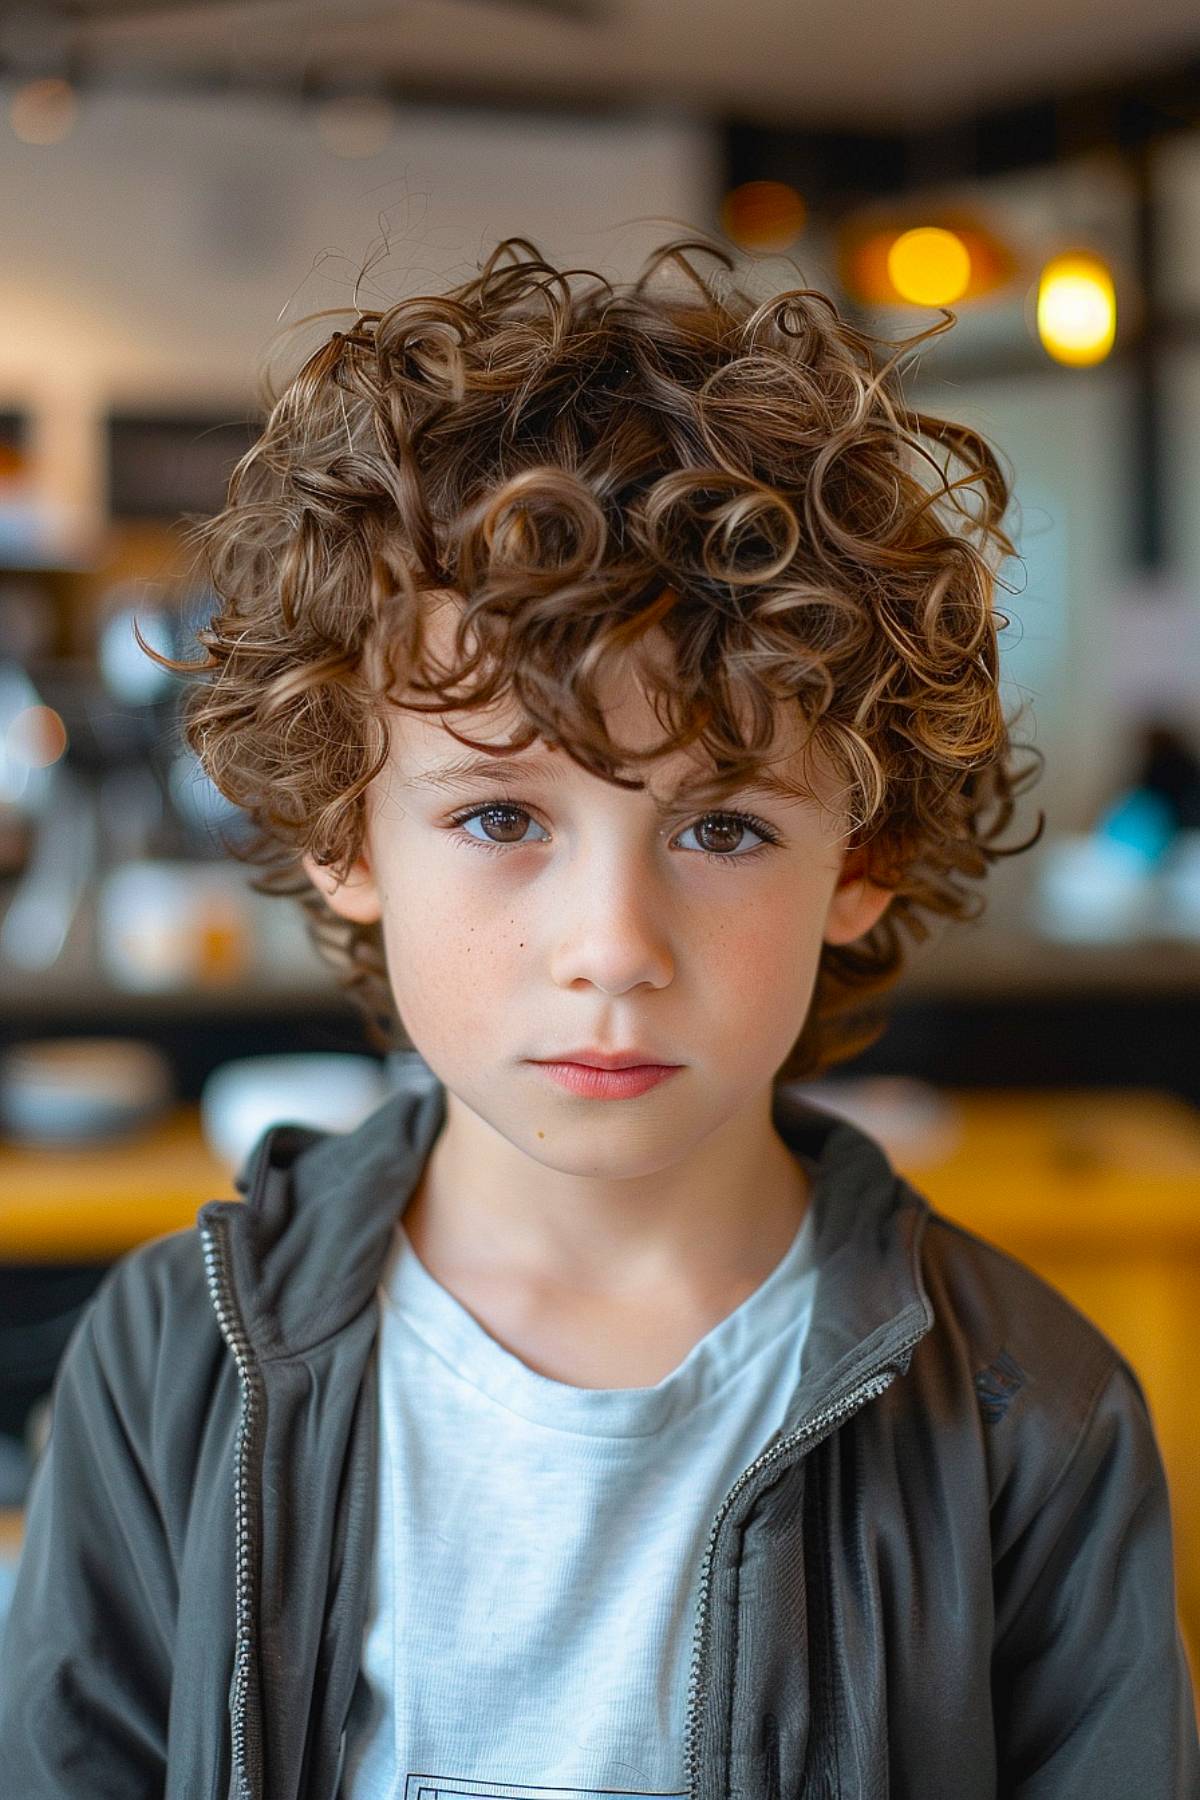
<point>424,754</point>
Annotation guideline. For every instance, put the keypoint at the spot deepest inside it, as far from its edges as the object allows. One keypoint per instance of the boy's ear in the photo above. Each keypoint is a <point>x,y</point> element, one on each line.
<point>355,898</point>
<point>857,902</point>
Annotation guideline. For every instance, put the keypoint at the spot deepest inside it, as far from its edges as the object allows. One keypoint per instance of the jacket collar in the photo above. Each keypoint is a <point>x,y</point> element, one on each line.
<point>308,1245</point>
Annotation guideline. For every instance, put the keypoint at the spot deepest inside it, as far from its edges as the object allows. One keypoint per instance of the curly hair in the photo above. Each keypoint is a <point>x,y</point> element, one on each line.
<point>579,465</point>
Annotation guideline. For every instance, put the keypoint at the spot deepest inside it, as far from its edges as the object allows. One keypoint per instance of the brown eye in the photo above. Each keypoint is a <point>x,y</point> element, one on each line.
<point>729,829</point>
<point>506,814</point>
<point>726,834</point>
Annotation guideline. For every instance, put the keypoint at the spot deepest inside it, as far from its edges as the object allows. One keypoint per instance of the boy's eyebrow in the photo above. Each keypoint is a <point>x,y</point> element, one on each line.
<point>469,769</point>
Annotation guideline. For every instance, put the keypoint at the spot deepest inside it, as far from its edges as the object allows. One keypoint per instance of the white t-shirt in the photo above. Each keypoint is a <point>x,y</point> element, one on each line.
<point>538,1552</point>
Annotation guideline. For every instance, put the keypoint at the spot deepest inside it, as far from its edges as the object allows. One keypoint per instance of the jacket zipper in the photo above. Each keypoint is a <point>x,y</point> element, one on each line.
<point>247,1759</point>
<point>833,1415</point>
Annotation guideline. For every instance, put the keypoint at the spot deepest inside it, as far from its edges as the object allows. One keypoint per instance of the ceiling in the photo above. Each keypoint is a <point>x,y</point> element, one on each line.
<point>822,64</point>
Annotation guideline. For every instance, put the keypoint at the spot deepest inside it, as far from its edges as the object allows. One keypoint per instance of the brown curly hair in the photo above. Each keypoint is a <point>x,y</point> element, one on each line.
<point>580,465</point>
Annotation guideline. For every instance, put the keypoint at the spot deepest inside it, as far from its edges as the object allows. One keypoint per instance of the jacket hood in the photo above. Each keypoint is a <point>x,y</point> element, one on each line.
<point>307,1246</point>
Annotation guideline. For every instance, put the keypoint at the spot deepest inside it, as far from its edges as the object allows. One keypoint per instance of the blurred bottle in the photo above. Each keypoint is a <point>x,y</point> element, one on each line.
<point>1162,797</point>
<point>1136,874</point>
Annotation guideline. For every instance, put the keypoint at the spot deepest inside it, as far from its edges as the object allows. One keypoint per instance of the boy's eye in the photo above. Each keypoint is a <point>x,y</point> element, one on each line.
<point>722,828</point>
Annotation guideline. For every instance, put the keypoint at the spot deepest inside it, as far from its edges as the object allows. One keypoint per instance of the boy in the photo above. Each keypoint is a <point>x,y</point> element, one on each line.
<point>561,1431</point>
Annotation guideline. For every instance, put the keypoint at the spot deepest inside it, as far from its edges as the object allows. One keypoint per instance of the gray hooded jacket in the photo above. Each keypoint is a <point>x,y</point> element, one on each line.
<point>948,1575</point>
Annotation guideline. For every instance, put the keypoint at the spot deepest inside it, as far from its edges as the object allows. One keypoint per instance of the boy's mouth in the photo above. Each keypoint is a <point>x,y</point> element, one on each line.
<point>612,1059</point>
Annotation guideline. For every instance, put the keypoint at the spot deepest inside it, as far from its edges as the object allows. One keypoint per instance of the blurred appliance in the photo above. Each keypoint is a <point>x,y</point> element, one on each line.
<point>242,1098</point>
<point>81,1090</point>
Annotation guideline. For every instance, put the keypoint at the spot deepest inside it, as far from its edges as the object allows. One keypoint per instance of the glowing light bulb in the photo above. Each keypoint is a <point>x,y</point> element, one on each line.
<point>929,266</point>
<point>1076,309</point>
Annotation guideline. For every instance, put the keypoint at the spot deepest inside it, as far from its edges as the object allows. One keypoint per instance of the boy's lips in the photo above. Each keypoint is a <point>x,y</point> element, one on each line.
<point>613,1059</point>
<point>591,1083</point>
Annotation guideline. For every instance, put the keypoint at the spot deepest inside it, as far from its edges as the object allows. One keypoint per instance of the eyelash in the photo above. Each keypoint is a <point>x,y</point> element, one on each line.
<point>506,803</point>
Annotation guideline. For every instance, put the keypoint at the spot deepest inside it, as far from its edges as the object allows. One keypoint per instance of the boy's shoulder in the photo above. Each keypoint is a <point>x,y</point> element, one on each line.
<point>1045,1377</point>
<point>1025,1328</point>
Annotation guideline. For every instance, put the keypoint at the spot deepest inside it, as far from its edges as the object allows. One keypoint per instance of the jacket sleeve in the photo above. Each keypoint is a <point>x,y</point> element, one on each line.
<point>1091,1685</point>
<point>85,1665</point>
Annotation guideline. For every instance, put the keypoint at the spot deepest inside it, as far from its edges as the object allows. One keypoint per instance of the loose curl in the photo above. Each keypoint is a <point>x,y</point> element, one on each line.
<point>579,466</point>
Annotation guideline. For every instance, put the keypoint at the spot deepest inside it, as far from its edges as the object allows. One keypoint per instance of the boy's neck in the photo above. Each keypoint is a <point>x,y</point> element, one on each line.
<point>717,1256</point>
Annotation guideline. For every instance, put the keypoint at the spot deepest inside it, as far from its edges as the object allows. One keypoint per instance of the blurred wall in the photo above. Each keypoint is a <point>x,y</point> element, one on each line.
<point>1062,436</point>
<point>152,255</point>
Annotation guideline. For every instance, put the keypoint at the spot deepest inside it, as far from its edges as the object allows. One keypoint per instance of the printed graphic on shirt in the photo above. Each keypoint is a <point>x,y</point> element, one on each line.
<point>436,1787</point>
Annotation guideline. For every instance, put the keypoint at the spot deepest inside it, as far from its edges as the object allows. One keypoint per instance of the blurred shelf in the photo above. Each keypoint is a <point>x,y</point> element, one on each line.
<point>59,1000</point>
<point>966,960</point>
<point>998,965</point>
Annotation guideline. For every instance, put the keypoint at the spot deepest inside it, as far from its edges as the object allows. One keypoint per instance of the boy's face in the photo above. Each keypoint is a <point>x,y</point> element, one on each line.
<point>597,922</point>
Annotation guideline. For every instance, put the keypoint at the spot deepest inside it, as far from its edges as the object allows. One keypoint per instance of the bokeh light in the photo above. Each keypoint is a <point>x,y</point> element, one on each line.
<point>1077,308</point>
<point>763,215</point>
<point>929,266</point>
<point>36,737</point>
<point>890,257</point>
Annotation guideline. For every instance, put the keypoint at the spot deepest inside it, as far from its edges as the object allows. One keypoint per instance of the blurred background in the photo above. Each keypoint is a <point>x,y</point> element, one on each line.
<point>179,183</point>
